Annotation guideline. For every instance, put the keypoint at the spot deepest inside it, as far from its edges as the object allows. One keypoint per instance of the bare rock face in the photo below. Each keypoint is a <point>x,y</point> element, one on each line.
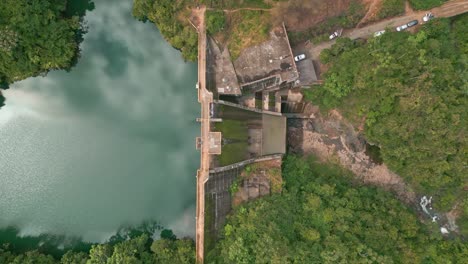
<point>257,180</point>
<point>333,138</point>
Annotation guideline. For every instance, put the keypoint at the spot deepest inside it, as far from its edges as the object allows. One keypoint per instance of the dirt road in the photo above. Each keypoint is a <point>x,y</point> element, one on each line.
<point>205,98</point>
<point>449,9</point>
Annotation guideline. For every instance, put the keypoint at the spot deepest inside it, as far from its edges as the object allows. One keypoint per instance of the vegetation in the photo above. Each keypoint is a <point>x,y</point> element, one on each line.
<point>236,3</point>
<point>391,8</point>
<point>412,92</point>
<point>210,231</point>
<point>215,21</point>
<point>140,249</point>
<point>235,131</point>
<point>36,36</point>
<point>323,217</point>
<point>319,33</point>
<point>248,28</point>
<point>2,100</point>
<point>263,168</point>
<point>165,14</point>
<point>426,4</point>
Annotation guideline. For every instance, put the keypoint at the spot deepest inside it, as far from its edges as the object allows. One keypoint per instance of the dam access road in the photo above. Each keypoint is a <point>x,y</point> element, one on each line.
<point>205,98</point>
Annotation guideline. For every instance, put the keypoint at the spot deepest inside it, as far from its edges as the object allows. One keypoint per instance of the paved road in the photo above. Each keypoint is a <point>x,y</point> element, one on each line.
<point>205,98</point>
<point>451,8</point>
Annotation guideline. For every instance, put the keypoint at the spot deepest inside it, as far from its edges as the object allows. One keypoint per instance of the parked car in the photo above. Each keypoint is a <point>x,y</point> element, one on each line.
<point>412,23</point>
<point>427,17</point>
<point>300,57</point>
<point>379,33</point>
<point>402,27</point>
<point>407,25</point>
<point>334,35</point>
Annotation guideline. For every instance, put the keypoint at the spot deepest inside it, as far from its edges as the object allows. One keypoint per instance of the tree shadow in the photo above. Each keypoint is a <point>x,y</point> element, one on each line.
<point>79,7</point>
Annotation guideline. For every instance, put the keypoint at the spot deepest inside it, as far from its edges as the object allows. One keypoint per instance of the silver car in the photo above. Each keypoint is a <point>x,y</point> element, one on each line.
<point>402,27</point>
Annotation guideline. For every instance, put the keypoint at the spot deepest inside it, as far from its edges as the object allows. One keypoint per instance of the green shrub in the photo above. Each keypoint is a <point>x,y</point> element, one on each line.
<point>215,21</point>
<point>426,4</point>
<point>391,8</point>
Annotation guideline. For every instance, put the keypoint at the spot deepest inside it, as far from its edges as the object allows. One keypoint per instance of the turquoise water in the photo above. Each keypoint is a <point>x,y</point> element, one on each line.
<point>107,145</point>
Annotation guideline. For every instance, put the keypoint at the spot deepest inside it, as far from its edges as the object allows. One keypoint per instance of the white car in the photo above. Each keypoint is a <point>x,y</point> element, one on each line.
<point>300,57</point>
<point>334,35</point>
<point>427,17</point>
<point>402,27</point>
<point>379,33</point>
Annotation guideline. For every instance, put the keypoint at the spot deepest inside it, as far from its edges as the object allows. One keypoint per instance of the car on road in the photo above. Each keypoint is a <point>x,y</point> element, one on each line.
<point>427,17</point>
<point>407,25</point>
<point>379,33</point>
<point>334,35</point>
<point>412,23</point>
<point>300,57</point>
<point>402,27</point>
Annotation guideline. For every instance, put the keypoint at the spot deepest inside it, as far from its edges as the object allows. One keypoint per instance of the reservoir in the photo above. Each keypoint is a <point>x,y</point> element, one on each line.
<point>110,143</point>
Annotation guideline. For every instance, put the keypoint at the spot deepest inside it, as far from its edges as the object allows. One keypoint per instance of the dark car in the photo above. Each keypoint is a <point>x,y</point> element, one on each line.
<point>412,23</point>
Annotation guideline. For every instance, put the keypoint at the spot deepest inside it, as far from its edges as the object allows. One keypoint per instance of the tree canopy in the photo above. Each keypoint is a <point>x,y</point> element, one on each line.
<point>324,217</point>
<point>411,90</point>
<point>139,250</point>
<point>164,13</point>
<point>35,37</point>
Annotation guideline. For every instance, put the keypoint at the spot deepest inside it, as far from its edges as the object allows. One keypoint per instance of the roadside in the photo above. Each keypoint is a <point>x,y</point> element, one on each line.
<point>449,9</point>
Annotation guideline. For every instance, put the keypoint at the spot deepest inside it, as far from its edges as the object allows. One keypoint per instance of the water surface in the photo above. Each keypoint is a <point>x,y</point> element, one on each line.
<point>109,144</point>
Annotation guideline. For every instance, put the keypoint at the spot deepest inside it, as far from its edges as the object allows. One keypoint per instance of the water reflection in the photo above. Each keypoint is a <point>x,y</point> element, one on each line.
<point>109,144</point>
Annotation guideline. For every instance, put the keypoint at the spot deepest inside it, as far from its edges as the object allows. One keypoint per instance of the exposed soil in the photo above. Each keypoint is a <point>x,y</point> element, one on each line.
<point>299,15</point>
<point>408,9</point>
<point>332,138</point>
<point>373,7</point>
<point>452,216</point>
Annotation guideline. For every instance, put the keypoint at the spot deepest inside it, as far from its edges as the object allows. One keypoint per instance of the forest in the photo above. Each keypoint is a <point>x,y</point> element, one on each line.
<point>165,14</point>
<point>140,249</point>
<point>409,91</point>
<point>323,216</point>
<point>36,36</point>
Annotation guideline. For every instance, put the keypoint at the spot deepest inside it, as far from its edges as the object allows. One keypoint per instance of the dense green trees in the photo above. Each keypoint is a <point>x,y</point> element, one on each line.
<point>137,250</point>
<point>323,217</point>
<point>412,92</point>
<point>164,13</point>
<point>215,21</point>
<point>35,36</point>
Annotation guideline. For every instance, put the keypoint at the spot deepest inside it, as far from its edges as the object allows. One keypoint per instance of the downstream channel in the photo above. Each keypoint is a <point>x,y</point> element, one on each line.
<point>109,144</point>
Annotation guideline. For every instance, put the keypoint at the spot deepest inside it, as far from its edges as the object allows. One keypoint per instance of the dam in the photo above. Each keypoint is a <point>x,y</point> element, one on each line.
<point>242,127</point>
